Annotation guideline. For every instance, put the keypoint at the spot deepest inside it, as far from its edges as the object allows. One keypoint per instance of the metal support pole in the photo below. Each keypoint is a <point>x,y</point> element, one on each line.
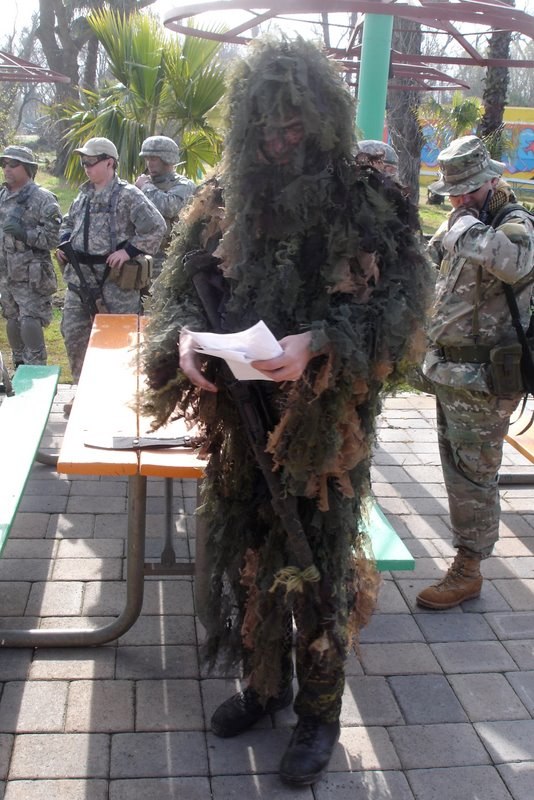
<point>374,72</point>
<point>168,556</point>
<point>134,589</point>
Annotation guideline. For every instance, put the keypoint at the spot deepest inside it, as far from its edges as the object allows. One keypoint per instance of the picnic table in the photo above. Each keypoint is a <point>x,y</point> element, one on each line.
<point>106,406</point>
<point>107,435</point>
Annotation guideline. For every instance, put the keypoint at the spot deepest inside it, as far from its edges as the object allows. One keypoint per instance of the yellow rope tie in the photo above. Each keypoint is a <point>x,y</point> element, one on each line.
<point>293,579</point>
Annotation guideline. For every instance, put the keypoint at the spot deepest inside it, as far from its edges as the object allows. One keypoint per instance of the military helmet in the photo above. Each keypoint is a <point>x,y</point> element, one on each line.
<point>19,153</point>
<point>161,146</point>
<point>465,165</point>
<point>380,150</point>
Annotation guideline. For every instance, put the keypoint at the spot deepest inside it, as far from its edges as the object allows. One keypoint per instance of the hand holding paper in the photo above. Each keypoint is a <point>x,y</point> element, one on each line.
<point>239,349</point>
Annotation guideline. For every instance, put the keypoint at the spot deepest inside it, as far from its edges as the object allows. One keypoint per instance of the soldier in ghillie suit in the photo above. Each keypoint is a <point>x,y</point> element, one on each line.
<point>167,190</point>
<point>474,358</point>
<point>29,228</point>
<point>326,255</point>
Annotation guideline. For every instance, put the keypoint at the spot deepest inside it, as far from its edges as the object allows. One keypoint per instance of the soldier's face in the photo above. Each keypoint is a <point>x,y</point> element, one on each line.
<point>474,199</point>
<point>14,173</point>
<point>280,142</point>
<point>99,169</point>
<point>156,166</point>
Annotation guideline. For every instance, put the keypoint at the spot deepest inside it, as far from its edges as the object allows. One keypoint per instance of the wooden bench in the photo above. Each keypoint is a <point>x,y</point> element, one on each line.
<point>105,407</point>
<point>23,417</point>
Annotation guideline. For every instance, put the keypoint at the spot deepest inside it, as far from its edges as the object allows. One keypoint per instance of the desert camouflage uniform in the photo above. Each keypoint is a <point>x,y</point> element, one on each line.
<point>98,223</point>
<point>27,277</point>
<point>470,310</point>
<point>168,193</point>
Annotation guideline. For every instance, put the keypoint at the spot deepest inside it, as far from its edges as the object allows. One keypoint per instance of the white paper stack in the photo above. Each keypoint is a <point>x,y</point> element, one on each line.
<point>239,349</point>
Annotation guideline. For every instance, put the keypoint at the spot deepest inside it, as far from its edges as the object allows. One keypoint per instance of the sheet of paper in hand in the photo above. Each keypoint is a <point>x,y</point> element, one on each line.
<point>239,349</point>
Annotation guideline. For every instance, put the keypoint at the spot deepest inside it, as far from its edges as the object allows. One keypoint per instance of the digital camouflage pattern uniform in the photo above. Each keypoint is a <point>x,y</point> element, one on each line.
<point>315,244</point>
<point>27,277</point>
<point>97,224</point>
<point>169,192</point>
<point>470,316</point>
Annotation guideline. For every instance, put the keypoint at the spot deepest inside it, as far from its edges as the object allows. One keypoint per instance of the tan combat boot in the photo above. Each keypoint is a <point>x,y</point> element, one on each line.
<point>463,581</point>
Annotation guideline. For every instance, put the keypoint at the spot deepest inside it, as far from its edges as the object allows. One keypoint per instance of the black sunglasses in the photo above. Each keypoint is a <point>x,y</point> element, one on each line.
<point>86,163</point>
<point>7,162</point>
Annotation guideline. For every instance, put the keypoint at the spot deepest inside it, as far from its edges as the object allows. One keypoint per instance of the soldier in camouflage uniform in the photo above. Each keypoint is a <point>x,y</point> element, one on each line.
<point>473,361</point>
<point>163,186</point>
<point>29,228</point>
<point>109,223</point>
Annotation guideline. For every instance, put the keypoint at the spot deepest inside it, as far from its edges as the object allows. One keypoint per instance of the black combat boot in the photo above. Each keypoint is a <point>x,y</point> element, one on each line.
<point>244,709</point>
<point>309,751</point>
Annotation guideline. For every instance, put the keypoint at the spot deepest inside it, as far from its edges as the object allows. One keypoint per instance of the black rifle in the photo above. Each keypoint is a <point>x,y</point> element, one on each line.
<point>249,401</point>
<point>91,297</point>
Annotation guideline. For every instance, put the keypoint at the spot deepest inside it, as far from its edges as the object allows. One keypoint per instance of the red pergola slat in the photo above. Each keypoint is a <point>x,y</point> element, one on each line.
<point>17,70</point>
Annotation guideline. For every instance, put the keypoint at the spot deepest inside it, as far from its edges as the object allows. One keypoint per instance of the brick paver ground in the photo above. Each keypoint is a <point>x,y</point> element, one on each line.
<point>440,706</point>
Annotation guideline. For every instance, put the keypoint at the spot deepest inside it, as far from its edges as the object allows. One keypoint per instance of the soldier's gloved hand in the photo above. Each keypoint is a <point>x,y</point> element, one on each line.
<point>461,211</point>
<point>16,229</point>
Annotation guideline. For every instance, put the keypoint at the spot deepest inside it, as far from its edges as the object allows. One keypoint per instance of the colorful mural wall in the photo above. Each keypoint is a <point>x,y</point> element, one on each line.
<point>519,158</point>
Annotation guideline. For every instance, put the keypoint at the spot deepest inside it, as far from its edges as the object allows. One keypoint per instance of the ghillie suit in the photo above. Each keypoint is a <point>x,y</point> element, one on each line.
<point>314,245</point>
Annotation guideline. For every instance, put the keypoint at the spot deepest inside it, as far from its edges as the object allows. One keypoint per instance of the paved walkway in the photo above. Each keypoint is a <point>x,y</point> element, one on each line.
<point>440,706</point>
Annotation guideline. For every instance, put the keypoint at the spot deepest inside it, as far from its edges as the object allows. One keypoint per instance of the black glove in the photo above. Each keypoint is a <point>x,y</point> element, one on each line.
<point>16,229</point>
<point>462,211</point>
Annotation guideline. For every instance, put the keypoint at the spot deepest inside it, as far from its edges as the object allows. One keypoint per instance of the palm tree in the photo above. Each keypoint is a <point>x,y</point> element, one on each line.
<point>451,122</point>
<point>161,85</point>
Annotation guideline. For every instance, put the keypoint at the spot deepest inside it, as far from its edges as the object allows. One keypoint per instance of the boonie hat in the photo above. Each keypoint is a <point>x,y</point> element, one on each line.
<point>98,146</point>
<point>464,166</point>
<point>378,149</point>
<point>19,153</point>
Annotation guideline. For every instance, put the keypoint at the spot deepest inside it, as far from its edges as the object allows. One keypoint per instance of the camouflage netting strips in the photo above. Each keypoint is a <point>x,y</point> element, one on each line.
<point>321,245</point>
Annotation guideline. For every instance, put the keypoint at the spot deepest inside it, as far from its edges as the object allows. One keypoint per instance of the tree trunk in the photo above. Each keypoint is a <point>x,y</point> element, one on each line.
<point>403,125</point>
<point>495,90</point>
<point>62,55</point>
<point>91,64</point>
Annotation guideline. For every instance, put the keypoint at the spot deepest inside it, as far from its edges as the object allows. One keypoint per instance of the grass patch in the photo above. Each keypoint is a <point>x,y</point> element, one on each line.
<point>432,216</point>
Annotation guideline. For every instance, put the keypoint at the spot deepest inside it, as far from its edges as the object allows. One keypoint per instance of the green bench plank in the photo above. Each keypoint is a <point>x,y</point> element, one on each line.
<point>389,550</point>
<point>23,418</point>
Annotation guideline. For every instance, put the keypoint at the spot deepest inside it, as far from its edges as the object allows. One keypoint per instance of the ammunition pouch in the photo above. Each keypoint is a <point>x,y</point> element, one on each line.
<point>134,274</point>
<point>506,374</point>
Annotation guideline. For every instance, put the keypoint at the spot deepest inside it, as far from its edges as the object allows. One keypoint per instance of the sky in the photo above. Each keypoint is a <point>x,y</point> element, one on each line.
<point>19,12</point>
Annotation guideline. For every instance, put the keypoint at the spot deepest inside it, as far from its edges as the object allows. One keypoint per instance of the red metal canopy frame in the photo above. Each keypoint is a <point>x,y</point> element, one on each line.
<point>437,16</point>
<point>16,70</point>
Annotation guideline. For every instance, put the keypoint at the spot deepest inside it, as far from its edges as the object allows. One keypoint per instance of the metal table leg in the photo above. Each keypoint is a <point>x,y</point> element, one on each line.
<point>134,589</point>
<point>167,564</point>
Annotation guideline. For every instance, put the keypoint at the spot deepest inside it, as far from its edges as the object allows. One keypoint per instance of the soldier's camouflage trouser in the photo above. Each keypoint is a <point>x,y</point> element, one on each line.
<point>27,307</point>
<point>471,431</point>
<point>76,322</point>
<point>320,681</point>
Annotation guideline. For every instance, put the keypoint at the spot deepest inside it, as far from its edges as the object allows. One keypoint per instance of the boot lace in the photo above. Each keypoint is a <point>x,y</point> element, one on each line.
<point>306,731</point>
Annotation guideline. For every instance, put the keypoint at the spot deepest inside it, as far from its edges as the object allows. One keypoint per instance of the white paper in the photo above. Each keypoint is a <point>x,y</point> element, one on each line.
<point>239,349</point>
